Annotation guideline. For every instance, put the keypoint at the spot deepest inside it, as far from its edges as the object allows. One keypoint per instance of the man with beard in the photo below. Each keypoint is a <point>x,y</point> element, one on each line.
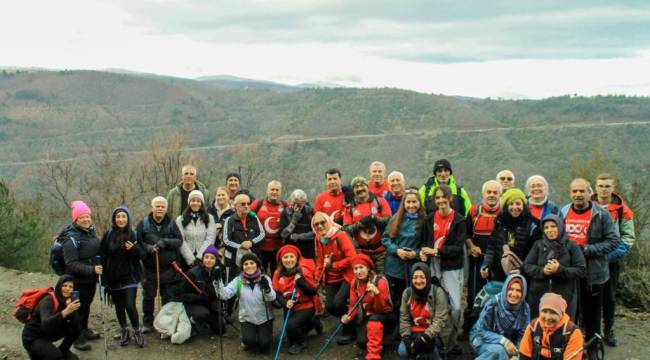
<point>365,221</point>
<point>378,184</point>
<point>161,239</point>
<point>332,201</point>
<point>591,227</point>
<point>268,211</point>
<point>396,187</point>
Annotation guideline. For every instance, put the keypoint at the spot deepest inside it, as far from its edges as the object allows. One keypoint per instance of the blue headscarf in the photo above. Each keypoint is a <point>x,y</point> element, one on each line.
<point>511,318</point>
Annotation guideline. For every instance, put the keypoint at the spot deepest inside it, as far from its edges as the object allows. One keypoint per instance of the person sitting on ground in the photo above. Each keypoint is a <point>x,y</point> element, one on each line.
<point>197,227</point>
<point>334,250</point>
<point>543,338</point>
<point>423,315</point>
<point>122,272</point>
<point>503,320</point>
<point>296,275</point>
<point>205,308</point>
<point>255,294</point>
<point>375,313</point>
<point>52,321</point>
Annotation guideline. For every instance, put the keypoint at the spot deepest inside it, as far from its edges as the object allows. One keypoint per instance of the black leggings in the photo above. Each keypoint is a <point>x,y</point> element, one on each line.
<point>268,260</point>
<point>44,349</point>
<point>299,325</point>
<point>86,296</point>
<point>124,301</point>
<point>259,336</point>
<point>336,302</point>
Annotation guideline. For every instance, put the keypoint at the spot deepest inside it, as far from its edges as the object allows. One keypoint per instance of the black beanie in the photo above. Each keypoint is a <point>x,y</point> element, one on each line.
<point>233,174</point>
<point>442,164</point>
<point>250,256</point>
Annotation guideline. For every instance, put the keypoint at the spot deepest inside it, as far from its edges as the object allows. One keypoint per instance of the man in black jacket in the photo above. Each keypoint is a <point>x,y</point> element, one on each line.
<point>159,236</point>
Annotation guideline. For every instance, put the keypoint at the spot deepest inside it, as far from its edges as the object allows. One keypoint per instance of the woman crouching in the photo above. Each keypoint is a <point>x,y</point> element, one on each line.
<point>374,315</point>
<point>253,289</point>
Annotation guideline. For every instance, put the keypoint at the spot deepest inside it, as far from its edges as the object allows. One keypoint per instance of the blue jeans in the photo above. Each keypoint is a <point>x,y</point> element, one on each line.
<point>402,352</point>
<point>491,352</point>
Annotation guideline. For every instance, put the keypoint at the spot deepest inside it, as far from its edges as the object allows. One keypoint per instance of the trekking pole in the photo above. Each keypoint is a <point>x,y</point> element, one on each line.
<point>101,310</point>
<point>217,290</point>
<point>187,278</point>
<point>338,327</point>
<point>158,301</point>
<point>596,337</point>
<point>284,326</point>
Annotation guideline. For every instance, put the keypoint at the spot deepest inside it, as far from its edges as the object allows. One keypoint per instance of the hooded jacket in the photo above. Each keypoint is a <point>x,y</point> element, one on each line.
<point>601,240</point>
<point>623,218</point>
<point>121,267</point>
<point>47,322</point>
<point>563,282</point>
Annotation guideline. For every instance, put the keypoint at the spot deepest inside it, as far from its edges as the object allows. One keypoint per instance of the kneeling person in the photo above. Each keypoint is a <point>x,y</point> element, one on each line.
<point>375,310</point>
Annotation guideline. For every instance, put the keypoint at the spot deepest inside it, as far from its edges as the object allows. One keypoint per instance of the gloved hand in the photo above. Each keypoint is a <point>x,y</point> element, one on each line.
<point>422,343</point>
<point>297,215</point>
<point>264,284</point>
<point>367,221</point>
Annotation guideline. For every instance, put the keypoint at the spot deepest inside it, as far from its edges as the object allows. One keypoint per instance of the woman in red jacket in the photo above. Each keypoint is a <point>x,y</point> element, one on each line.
<point>334,250</point>
<point>376,309</point>
<point>295,273</point>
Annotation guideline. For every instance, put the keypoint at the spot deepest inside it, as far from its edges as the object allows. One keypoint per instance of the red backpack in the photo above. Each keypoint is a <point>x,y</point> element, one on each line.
<point>28,301</point>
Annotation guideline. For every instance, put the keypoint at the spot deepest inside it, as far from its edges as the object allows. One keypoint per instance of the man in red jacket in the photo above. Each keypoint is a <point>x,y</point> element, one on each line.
<point>268,211</point>
<point>365,221</point>
<point>376,310</point>
<point>332,200</point>
<point>378,184</point>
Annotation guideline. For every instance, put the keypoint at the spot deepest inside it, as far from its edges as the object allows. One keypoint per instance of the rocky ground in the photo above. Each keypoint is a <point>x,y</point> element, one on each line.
<point>633,330</point>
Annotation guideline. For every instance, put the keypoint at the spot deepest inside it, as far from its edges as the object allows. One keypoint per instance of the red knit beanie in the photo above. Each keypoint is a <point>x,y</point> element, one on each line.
<point>286,249</point>
<point>363,259</point>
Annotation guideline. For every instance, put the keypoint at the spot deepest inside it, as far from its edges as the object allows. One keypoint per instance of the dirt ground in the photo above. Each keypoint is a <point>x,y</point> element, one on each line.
<point>633,330</point>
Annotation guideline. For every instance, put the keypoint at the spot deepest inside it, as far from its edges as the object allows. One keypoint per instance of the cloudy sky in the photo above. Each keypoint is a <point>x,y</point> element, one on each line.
<point>509,49</point>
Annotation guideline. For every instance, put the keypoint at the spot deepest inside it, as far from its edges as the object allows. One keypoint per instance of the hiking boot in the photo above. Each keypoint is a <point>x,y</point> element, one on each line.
<point>345,339</point>
<point>90,335</point>
<point>81,344</point>
<point>138,337</point>
<point>318,326</point>
<point>125,337</point>
<point>610,338</point>
<point>296,348</point>
<point>69,355</point>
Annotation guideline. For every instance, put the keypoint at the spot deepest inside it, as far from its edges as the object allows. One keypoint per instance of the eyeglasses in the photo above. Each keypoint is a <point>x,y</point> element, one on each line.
<point>244,203</point>
<point>506,178</point>
<point>320,223</point>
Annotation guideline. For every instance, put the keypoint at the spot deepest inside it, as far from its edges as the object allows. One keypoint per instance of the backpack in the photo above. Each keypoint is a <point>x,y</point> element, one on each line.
<point>490,290</point>
<point>28,301</point>
<point>57,262</point>
<point>260,203</point>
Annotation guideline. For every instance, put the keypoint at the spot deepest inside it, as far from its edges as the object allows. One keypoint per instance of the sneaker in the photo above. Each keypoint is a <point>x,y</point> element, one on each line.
<point>345,339</point>
<point>81,344</point>
<point>610,338</point>
<point>138,337</point>
<point>296,348</point>
<point>69,355</point>
<point>90,335</point>
<point>125,337</point>
<point>318,326</point>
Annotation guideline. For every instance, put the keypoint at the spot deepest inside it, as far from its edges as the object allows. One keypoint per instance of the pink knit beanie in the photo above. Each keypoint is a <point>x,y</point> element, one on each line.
<point>79,208</point>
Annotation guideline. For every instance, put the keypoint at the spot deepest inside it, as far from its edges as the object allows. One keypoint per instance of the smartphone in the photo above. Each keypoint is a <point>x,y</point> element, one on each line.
<point>75,295</point>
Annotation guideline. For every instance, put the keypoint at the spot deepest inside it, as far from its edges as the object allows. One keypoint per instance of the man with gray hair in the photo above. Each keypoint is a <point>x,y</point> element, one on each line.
<point>161,240</point>
<point>378,184</point>
<point>295,223</point>
<point>268,211</point>
<point>506,178</point>
<point>591,227</point>
<point>177,196</point>
<point>396,188</point>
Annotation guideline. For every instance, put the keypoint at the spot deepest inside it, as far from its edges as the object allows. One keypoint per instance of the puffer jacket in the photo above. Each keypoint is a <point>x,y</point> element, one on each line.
<point>81,255</point>
<point>197,236</point>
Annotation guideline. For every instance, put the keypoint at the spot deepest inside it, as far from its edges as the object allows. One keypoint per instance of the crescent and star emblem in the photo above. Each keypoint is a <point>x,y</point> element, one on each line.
<point>267,226</point>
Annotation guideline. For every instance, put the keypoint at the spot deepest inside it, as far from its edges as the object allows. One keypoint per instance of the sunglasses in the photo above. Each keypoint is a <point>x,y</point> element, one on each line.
<point>320,223</point>
<point>244,203</point>
<point>505,178</point>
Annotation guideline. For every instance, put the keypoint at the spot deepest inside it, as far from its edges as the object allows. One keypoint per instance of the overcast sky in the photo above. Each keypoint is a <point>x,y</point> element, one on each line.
<point>509,49</point>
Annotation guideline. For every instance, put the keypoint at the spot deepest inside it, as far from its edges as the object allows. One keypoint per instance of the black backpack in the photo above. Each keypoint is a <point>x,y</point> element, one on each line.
<point>57,262</point>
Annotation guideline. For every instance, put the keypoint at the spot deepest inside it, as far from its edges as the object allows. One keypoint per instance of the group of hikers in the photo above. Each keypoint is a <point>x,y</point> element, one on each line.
<point>392,262</point>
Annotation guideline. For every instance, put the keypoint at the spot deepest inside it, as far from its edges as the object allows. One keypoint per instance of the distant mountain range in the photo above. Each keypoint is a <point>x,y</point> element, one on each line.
<point>304,129</point>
